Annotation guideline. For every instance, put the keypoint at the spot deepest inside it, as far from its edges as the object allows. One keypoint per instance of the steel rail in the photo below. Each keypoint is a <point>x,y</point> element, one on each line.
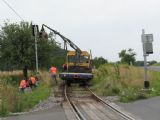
<point>126,116</point>
<point>74,108</point>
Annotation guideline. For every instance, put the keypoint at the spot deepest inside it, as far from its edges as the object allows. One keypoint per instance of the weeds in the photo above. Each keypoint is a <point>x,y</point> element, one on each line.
<point>13,101</point>
<point>28,100</point>
<point>4,108</point>
<point>124,81</point>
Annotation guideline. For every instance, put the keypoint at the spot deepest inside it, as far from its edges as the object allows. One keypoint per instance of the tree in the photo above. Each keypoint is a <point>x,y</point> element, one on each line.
<point>139,63</point>
<point>152,62</point>
<point>127,56</point>
<point>17,48</point>
<point>97,61</point>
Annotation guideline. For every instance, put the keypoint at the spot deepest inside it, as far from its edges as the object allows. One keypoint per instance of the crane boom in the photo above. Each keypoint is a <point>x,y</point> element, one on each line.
<point>66,40</point>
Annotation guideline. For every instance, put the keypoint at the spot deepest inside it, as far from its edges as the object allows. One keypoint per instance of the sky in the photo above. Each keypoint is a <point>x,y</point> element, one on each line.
<point>104,26</point>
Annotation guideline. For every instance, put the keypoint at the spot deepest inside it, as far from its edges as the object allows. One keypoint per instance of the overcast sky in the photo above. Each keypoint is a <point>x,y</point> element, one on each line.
<point>104,26</point>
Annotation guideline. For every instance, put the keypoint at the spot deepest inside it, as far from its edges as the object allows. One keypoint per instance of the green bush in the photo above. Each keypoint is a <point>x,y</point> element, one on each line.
<point>131,94</point>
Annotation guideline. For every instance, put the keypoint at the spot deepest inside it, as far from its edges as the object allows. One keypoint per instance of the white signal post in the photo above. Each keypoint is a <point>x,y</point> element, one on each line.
<point>145,61</point>
<point>147,40</point>
<point>36,51</point>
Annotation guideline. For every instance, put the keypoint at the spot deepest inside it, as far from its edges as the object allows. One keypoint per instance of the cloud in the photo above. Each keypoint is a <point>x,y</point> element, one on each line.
<point>105,26</point>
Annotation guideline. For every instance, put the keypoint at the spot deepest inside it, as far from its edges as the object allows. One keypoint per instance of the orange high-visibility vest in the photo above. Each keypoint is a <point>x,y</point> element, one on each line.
<point>23,84</point>
<point>33,80</point>
<point>53,70</point>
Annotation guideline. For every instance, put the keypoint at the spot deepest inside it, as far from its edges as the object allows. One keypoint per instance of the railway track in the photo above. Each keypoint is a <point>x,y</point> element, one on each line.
<point>113,106</point>
<point>75,111</point>
<point>83,104</point>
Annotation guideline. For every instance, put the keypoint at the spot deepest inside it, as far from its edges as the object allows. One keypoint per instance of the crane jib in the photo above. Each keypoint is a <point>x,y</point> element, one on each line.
<point>66,40</point>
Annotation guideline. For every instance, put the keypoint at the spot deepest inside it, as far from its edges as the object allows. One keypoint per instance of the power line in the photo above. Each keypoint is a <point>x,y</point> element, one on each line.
<point>12,9</point>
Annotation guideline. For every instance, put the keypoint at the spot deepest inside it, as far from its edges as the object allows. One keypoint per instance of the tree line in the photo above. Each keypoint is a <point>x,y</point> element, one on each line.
<point>17,48</point>
<point>128,57</point>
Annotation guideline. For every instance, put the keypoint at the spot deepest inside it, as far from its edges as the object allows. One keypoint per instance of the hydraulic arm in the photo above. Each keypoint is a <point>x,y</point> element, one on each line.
<point>66,40</point>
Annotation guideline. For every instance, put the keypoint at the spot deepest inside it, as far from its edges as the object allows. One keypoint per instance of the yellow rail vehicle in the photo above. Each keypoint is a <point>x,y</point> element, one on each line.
<point>81,61</point>
<point>77,68</point>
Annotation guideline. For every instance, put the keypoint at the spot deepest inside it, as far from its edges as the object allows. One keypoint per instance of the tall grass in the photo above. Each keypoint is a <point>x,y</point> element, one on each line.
<point>155,83</point>
<point>12,100</point>
<point>125,81</point>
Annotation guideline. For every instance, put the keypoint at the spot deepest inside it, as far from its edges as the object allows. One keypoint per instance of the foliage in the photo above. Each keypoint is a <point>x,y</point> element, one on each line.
<point>17,48</point>
<point>153,62</point>
<point>122,80</point>
<point>141,63</point>
<point>29,100</point>
<point>127,56</point>
<point>14,101</point>
<point>102,83</point>
<point>16,45</point>
<point>97,61</point>
<point>156,64</point>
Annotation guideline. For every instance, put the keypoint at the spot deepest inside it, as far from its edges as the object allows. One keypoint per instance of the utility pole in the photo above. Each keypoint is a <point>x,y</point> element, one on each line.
<point>36,51</point>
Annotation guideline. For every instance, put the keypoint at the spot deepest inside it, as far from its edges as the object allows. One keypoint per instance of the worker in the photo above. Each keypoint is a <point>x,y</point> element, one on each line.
<point>23,85</point>
<point>32,81</point>
<point>53,71</point>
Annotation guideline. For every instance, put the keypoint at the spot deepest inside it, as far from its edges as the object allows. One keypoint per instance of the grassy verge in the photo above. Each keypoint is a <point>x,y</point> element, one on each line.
<point>14,101</point>
<point>28,100</point>
<point>124,81</point>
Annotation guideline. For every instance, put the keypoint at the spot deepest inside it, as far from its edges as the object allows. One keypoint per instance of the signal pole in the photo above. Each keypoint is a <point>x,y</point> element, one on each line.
<point>36,51</point>
<point>147,40</point>
<point>145,64</point>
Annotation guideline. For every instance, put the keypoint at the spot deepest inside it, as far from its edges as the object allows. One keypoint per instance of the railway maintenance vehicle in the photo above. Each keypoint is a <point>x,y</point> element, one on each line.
<point>77,67</point>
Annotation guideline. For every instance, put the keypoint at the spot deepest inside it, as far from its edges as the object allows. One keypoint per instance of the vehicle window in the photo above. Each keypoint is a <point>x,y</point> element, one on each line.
<point>71,58</point>
<point>84,59</point>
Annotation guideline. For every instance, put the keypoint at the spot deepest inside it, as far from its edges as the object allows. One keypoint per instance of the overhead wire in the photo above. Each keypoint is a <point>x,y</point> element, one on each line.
<point>12,9</point>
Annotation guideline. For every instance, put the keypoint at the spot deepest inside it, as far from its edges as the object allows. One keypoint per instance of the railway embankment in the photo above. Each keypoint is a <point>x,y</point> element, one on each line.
<point>124,81</point>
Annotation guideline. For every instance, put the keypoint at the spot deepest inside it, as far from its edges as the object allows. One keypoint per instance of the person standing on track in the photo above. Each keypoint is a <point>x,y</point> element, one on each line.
<point>53,71</point>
